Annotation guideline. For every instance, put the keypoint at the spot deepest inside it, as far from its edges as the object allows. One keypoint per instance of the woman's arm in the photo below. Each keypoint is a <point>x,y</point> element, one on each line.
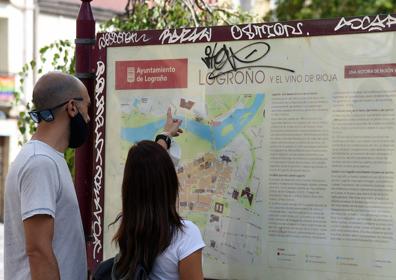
<point>171,128</point>
<point>190,268</point>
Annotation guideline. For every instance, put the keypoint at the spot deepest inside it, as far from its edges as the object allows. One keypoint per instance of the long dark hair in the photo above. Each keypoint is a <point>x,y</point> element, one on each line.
<point>149,218</point>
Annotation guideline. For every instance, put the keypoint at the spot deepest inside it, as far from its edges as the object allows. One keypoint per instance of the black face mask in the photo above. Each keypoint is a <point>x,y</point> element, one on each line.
<point>78,131</point>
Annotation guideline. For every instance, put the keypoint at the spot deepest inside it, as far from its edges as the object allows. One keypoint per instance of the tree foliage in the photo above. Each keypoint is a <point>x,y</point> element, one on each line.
<point>57,56</point>
<point>174,14</point>
<point>315,9</point>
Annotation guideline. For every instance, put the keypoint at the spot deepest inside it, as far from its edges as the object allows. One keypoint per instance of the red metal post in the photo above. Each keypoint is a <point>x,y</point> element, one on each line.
<point>85,71</point>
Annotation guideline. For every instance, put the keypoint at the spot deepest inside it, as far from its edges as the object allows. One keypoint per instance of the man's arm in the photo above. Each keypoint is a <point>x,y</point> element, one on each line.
<point>39,232</point>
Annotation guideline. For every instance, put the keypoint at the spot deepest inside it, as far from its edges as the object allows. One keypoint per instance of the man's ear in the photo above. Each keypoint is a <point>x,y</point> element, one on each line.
<point>71,108</point>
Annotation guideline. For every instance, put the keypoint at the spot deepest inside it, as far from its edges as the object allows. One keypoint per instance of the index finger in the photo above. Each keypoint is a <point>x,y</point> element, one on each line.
<point>169,114</point>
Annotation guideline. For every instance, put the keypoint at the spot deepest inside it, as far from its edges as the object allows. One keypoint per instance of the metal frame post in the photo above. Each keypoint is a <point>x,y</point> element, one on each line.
<point>85,71</point>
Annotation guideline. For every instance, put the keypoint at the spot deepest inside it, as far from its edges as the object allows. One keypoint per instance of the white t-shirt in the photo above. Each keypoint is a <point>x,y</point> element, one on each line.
<point>184,243</point>
<point>39,182</point>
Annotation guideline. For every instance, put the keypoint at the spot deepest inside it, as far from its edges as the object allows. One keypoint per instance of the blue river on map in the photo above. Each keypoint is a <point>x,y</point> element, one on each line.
<point>239,118</point>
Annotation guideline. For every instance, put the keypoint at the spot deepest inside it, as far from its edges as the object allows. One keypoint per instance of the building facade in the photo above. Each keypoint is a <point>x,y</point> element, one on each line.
<point>25,27</point>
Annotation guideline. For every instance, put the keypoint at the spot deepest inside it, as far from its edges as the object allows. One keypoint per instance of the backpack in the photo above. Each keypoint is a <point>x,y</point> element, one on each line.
<point>105,268</point>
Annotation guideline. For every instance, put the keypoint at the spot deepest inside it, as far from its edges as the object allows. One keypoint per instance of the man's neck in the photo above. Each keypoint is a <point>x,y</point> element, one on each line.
<point>52,137</point>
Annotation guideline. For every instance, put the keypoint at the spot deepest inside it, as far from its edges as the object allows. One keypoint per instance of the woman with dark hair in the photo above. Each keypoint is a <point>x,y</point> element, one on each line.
<point>151,233</point>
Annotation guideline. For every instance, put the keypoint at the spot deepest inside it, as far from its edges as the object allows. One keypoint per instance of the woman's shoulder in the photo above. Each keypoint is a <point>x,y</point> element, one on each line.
<point>189,239</point>
<point>189,227</point>
<point>188,231</point>
<point>188,224</point>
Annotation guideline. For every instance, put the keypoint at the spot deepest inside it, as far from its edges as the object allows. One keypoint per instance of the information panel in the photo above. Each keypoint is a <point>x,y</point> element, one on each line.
<point>288,155</point>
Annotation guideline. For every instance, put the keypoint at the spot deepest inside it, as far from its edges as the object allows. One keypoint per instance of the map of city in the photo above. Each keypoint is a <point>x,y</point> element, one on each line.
<point>220,168</point>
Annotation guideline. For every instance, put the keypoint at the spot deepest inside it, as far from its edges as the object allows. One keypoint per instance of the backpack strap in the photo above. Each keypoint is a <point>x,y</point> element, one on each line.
<point>141,273</point>
<point>104,269</point>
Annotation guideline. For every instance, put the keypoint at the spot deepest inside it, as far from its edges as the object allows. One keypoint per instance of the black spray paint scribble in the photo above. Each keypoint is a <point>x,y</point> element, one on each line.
<point>225,60</point>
